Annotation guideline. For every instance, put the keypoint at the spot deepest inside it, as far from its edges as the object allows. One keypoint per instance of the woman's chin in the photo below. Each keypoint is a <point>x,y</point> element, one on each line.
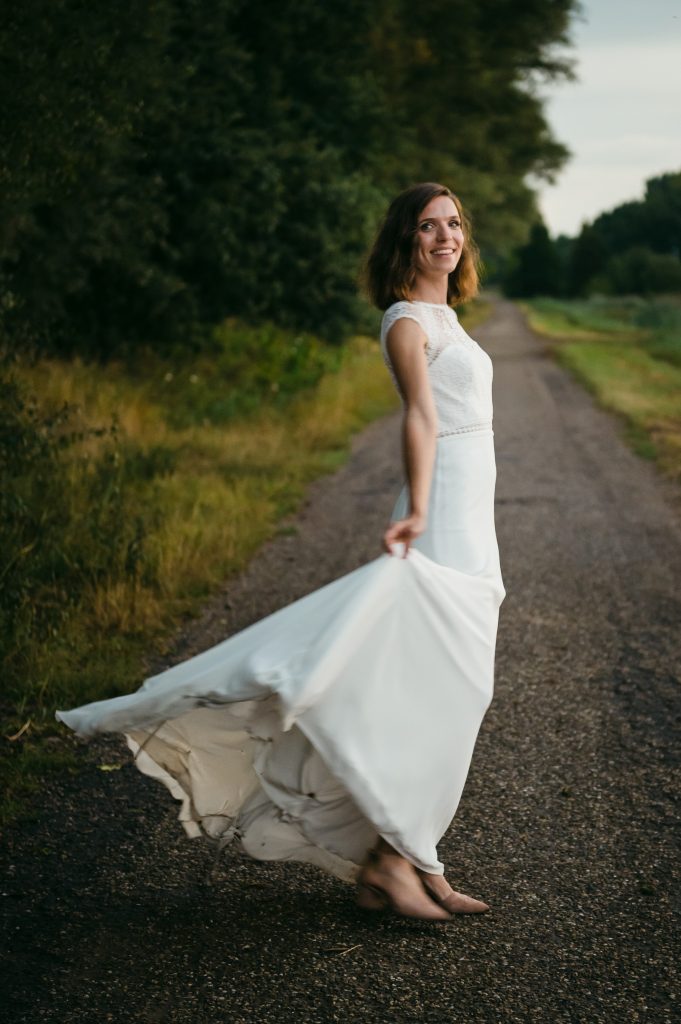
<point>447,266</point>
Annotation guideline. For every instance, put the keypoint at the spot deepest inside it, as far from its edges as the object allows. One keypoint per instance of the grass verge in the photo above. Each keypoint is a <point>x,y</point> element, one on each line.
<point>628,354</point>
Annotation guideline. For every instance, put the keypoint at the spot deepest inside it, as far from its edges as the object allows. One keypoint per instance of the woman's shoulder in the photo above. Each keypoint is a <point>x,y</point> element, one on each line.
<point>398,311</point>
<point>400,308</point>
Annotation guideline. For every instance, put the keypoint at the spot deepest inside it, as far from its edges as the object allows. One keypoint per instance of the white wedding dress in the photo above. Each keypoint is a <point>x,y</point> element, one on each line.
<point>354,711</point>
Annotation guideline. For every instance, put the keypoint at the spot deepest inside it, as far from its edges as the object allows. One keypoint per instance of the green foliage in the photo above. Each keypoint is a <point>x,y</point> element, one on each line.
<point>242,367</point>
<point>588,256</point>
<point>652,223</point>
<point>661,321</point>
<point>80,227</point>
<point>586,317</point>
<point>167,165</point>
<point>640,271</point>
<point>536,269</point>
<point>634,249</point>
<point>652,324</point>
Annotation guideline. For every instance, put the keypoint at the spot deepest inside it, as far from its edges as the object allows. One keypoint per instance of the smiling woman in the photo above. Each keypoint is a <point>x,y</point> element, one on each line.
<point>426,232</point>
<point>340,729</point>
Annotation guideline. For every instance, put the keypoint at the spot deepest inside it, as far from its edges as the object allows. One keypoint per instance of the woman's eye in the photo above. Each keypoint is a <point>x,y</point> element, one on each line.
<point>426,226</point>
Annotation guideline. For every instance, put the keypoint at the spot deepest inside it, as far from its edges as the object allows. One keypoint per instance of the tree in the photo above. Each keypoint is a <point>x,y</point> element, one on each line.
<point>634,248</point>
<point>653,222</point>
<point>639,271</point>
<point>536,269</point>
<point>588,257</point>
<point>168,164</point>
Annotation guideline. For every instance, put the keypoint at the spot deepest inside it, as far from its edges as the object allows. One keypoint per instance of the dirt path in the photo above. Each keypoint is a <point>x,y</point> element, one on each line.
<point>569,822</point>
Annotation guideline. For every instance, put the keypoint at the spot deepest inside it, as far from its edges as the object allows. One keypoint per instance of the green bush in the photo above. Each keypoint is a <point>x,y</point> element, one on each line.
<point>640,271</point>
<point>232,376</point>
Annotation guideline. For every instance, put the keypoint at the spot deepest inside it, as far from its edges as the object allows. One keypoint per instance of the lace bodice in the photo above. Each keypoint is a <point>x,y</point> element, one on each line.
<point>460,371</point>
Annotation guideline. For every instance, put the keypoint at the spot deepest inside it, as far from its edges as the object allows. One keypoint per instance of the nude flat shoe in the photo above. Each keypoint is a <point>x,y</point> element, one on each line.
<point>456,902</point>
<point>373,897</point>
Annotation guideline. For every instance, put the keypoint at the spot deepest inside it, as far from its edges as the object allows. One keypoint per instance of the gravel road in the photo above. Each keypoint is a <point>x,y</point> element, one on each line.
<point>569,822</point>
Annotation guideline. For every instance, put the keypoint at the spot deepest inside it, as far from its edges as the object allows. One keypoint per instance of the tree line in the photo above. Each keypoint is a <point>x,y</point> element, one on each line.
<point>633,249</point>
<point>167,164</point>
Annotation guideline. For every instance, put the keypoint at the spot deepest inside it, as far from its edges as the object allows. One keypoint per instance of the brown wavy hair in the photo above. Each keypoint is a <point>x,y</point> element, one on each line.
<point>390,272</point>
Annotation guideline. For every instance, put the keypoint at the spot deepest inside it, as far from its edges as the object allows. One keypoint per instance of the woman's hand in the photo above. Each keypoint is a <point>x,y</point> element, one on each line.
<point>404,531</point>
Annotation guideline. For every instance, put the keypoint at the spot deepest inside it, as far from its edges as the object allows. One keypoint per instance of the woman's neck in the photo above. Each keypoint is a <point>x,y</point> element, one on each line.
<point>428,290</point>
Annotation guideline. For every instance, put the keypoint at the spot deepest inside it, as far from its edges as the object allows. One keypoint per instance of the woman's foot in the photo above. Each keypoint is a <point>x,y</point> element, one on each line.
<point>387,880</point>
<point>439,889</point>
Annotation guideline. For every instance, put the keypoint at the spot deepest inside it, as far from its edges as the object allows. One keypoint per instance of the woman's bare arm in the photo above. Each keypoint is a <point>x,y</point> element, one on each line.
<point>406,343</point>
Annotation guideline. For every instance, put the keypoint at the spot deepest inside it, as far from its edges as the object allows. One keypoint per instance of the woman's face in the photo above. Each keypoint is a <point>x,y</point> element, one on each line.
<point>439,237</point>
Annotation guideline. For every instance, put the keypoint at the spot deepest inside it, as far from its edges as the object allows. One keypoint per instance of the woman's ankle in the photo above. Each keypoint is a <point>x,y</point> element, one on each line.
<point>384,849</point>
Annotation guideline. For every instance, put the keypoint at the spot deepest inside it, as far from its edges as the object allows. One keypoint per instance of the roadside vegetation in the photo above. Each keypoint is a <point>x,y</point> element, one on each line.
<point>129,492</point>
<point>627,351</point>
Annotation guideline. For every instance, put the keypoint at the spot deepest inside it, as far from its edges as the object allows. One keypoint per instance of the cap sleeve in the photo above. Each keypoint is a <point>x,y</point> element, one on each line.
<point>398,311</point>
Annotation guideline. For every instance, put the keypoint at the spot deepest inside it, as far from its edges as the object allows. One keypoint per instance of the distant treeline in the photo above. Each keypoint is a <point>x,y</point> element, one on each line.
<point>166,164</point>
<point>634,249</point>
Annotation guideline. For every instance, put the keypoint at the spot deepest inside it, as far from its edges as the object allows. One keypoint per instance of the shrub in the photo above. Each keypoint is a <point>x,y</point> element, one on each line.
<point>640,271</point>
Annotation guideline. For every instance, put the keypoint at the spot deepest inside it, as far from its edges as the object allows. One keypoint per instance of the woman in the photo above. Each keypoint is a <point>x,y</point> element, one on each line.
<point>339,730</point>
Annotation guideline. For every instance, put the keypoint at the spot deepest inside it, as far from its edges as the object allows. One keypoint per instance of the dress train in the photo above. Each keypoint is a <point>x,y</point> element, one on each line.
<point>349,714</point>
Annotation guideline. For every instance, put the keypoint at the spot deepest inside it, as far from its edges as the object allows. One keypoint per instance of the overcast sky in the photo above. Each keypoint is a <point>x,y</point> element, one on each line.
<point>622,118</point>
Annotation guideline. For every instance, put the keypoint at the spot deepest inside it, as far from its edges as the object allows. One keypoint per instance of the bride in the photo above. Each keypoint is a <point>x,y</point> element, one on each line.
<point>340,729</point>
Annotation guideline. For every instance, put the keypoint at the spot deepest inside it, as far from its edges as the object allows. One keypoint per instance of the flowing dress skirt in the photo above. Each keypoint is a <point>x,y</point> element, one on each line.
<point>349,714</point>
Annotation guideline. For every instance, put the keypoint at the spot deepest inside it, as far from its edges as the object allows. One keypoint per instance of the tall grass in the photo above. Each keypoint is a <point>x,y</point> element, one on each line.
<point>122,528</point>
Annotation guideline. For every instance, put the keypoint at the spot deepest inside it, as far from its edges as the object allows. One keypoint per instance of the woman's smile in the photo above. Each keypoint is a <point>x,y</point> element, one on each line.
<point>439,238</point>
